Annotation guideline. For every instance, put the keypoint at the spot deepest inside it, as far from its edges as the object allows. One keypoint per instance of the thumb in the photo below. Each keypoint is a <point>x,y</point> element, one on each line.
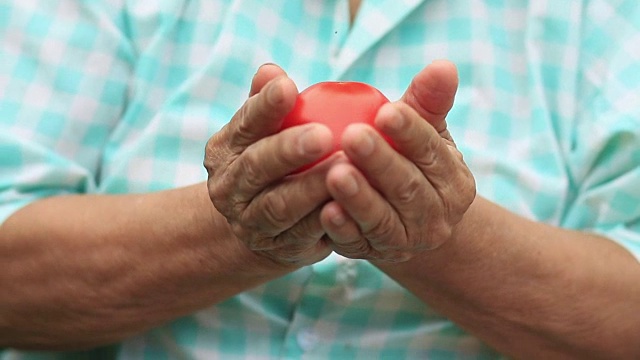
<point>265,73</point>
<point>432,92</point>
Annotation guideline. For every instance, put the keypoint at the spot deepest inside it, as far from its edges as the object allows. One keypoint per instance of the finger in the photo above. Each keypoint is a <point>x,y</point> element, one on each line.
<point>276,156</point>
<point>265,73</point>
<point>304,243</point>
<point>450,186</point>
<point>432,92</point>
<point>419,142</point>
<point>262,114</point>
<point>261,166</point>
<point>305,232</point>
<point>281,206</point>
<point>376,219</point>
<point>408,191</point>
<point>344,233</point>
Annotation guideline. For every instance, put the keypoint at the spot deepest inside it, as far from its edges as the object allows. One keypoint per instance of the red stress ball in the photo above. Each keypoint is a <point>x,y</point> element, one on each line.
<point>336,105</point>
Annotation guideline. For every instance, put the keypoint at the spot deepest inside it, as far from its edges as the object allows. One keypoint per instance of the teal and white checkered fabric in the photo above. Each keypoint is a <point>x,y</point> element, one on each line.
<point>120,96</point>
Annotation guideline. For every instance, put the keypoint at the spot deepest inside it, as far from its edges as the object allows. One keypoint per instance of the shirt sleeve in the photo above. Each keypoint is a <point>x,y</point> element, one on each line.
<point>64,69</point>
<point>605,153</point>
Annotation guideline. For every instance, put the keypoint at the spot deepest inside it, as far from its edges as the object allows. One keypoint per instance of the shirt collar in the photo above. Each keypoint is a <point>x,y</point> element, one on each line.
<point>375,19</point>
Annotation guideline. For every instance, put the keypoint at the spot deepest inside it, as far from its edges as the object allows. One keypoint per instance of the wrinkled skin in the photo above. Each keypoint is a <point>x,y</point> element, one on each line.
<point>369,201</point>
<point>248,162</point>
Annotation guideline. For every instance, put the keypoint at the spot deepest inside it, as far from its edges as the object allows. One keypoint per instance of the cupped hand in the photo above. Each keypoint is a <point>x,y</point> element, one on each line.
<point>248,162</point>
<point>391,204</point>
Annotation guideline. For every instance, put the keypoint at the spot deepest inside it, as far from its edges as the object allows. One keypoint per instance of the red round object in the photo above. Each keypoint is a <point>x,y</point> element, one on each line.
<point>336,105</point>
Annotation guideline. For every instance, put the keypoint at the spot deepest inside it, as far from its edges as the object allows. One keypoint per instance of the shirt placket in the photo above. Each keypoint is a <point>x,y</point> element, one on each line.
<point>323,303</point>
<point>375,19</point>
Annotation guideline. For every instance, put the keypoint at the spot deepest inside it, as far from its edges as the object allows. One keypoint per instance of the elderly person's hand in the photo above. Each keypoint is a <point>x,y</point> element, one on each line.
<point>248,162</point>
<point>390,204</point>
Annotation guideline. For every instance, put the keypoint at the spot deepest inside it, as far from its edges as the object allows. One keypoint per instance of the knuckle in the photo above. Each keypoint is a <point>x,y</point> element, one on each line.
<point>283,153</point>
<point>243,129</point>
<point>215,200</point>
<point>275,209</point>
<point>457,153</point>
<point>210,162</point>
<point>217,195</point>
<point>382,230</point>
<point>380,168</point>
<point>465,189</point>
<point>252,173</point>
<point>296,146</point>
<point>241,137</point>
<point>259,107</point>
<point>446,134</point>
<point>429,156</point>
<point>256,106</point>
<point>215,139</point>
<point>213,164</point>
<point>304,231</point>
<point>409,190</point>
<point>288,156</point>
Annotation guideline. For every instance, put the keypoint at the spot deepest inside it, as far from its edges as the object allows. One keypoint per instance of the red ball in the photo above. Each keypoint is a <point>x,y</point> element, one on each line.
<point>336,105</point>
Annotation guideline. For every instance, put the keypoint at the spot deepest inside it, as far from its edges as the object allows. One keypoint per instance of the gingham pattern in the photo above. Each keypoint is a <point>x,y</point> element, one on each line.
<point>120,96</point>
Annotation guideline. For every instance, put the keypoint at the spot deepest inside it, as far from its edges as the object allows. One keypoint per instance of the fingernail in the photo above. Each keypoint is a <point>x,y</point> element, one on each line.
<point>338,219</point>
<point>274,95</point>
<point>348,185</point>
<point>308,143</point>
<point>266,64</point>
<point>395,120</point>
<point>263,65</point>
<point>365,146</point>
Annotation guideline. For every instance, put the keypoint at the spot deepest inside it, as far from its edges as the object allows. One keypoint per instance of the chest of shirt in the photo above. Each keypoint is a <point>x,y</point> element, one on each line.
<point>512,118</point>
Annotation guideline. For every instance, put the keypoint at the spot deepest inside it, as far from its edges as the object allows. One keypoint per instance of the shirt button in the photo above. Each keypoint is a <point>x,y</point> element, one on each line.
<point>307,339</point>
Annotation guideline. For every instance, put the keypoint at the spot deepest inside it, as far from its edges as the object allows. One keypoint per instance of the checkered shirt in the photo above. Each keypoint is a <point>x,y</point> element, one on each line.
<point>120,96</point>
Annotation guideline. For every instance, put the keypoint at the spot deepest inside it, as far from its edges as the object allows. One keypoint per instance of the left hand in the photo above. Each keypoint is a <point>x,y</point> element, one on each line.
<point>388,204</point>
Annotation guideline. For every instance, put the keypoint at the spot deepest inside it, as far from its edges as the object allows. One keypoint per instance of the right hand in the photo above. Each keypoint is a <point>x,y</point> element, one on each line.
<point>248,162</point>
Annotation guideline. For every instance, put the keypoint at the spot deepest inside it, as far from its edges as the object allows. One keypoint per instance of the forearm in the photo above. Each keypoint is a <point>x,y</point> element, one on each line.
<point>80,271</point>
<point>531,290</point>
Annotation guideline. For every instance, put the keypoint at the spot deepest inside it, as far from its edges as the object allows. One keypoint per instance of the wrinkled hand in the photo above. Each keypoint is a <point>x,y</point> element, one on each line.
<point>248,161</point>
<point>389,205</point>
